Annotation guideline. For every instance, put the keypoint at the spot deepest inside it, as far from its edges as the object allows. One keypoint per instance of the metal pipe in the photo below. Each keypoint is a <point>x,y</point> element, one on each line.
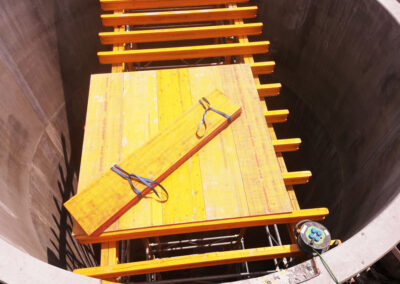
<point>144,68</point>
<point>195,240</point>
<point>246,265</point>
<point>240,237</point>
<point>200,246</point>
<point>271,243</point>
<point>168,9</point>
<point>278,237</point>
<point>127,29</point>
<point>149,255</point>
<point>170,26</point>
<point>208,278</point>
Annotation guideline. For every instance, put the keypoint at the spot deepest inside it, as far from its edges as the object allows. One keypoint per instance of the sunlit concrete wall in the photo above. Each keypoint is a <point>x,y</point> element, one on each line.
<point>47,52</point>
<point>339,63</point>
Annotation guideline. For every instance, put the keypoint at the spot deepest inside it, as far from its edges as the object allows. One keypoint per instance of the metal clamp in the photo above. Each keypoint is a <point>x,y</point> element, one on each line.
<point>133,177</point>
<point>207,106</point>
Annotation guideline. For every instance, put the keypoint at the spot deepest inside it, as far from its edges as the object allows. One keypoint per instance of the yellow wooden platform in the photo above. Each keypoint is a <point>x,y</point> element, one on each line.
<point>225,22</point>
<point>236,175</point>
<point>108,197</point>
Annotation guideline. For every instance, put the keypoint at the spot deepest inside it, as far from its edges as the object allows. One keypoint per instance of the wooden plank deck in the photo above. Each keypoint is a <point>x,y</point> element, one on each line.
<point>235,175</point>
<point>154,119</point>
<point>109,196</point>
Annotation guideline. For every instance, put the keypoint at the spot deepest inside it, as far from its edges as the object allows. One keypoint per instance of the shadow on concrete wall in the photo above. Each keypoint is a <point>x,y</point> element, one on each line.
<point>339,64</point>
<point>66,252</point>
<point>77,42</point>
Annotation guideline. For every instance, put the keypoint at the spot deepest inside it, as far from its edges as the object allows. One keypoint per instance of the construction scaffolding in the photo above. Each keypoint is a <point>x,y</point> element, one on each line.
<point>178,42</point>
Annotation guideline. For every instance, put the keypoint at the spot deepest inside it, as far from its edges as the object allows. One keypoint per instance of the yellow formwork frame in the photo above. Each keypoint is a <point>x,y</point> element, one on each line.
<point>189,261</point>
<point>109,249</point>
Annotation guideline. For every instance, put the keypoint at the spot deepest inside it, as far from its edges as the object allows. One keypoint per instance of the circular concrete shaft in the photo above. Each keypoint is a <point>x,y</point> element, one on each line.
<point>339,63</point>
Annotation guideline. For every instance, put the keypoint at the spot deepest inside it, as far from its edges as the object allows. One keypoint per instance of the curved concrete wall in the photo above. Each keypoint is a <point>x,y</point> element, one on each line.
<point>339,62</point>
<point>47,52</point>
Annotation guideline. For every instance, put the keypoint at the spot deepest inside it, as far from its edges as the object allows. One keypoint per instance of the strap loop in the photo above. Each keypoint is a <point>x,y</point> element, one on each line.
<point>207,106</point>
<point>133,177</point>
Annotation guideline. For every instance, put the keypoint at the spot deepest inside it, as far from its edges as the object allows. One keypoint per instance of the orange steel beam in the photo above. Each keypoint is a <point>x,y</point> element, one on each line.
<point>180,33</point>
<point>169,17</point>
<point>276,116</point>
<point>300,177</point>
<point>315,214</point>
<point>269,90</point>
<point>259,68</point>
<point>109,5</point>
<point>286,145</point>
<point>171,53</point>
<point>109,256</point>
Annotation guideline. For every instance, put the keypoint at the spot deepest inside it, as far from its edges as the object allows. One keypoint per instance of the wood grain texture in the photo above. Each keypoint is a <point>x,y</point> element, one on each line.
<point>108,5</point>
<point>97,206</point>
<point>316,214</point>
<point>109,256</point>
<point>269,90</point>
<point>276,116</point>
<point>186,52</point>
<point>191,261</point>
<point>198,193</point>
<point>286,145</point>
<point>300,177</point>
<point>266,67</point>
<point>186,16</point>
<point>159,35</point>
<point>271,117</point>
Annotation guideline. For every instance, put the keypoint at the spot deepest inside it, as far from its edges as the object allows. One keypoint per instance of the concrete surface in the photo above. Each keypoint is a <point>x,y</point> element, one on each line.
<point>338,61</point>
<point>364,248</point>
<point>47,52</point>
<point>17,267</point>
<point>347,260</point>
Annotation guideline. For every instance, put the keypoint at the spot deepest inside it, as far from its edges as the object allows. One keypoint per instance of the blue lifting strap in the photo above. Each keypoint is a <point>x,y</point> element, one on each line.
<point>203,101</point>
<point>133,177</point>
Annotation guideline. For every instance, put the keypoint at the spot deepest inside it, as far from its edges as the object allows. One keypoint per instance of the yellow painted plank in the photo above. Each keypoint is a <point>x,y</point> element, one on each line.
<point>286,145</point>
<point>109,250</point>
<point>271,117</point>
<point>268,90</point>
<point>276,116</point>
<point>299,177</point>
<point>94,125</point>
<point>258,68</point>
<point>316,214</point>
<point>196,83</point>
<point>139,124</point>
<point>180,33</point>
<point>108,5</point>
<point>174,99</point>
<point>168,17</point>
<point>265,190</point>
<point>191,261</point>
<point>171,53</point>
<point>169,109</point>
<point>111,151</point>
<point>109,256</point>
<point>222,182</point>
<point>118,67</point>
<point>101,203</point>
<point>196,199</point>
<point>109,253</point>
